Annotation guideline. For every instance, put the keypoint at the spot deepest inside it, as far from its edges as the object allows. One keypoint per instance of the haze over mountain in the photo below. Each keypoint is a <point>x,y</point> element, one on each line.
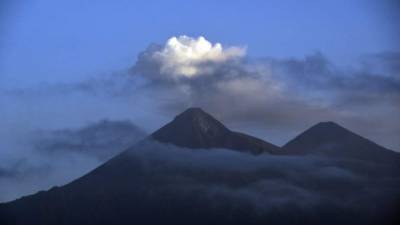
<point>103,139</point>
<point>60,155</point>
<point>157,183</point>
<point>195,128</point>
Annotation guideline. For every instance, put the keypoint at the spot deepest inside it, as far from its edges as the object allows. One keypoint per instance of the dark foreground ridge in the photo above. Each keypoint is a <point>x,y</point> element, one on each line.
<point>195,128</point>
<point>162,184</point>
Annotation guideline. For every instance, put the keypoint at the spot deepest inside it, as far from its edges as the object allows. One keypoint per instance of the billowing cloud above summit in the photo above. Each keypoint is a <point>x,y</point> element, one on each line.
<point>188,56</point>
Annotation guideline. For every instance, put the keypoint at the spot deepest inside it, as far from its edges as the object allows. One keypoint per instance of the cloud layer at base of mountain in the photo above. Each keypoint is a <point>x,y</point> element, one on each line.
<point>155,183</point>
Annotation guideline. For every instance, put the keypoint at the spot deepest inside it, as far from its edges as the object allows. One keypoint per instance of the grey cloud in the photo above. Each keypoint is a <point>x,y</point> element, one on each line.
<point>270,98</point>
<point>28,176</point>
<point>116,84</point>
<point>388,62</point>
<point>62,155</point>
<point>286,94</point>
<point>102,140</point>
<point>5,172</point>
<point>319,73</point>
<point>145,64</point>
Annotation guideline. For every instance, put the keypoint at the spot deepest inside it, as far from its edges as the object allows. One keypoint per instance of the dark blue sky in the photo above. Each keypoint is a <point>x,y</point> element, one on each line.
<point>52,41</point>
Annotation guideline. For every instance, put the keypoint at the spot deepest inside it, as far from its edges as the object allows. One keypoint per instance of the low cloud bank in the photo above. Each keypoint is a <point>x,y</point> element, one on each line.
<point>259,188</point>
<point>220,186</point>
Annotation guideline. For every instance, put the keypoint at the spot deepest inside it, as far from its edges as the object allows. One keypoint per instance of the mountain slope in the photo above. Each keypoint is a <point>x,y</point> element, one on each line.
<point>329,138</point>
<point>195,128</point>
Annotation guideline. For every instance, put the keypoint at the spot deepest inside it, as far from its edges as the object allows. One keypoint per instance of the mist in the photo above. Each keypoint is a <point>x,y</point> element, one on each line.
<point>248,187</point>
<point>40,159</point>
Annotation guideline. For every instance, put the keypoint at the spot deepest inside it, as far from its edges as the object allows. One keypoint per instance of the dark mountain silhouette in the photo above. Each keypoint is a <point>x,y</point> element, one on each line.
<point>195,128</point>
<point>155,183</point>
<point>331,139</point>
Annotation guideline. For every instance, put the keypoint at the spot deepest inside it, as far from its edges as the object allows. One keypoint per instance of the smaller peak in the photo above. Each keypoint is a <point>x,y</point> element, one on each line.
<point>328,127</point>
<point>327,124</point>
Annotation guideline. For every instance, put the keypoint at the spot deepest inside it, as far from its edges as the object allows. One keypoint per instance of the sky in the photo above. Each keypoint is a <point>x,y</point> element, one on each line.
<point>67,40</point>
<point>268,68</point>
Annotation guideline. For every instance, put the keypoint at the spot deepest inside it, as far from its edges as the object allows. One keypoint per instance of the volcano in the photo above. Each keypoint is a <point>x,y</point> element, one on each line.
<point>331,139</point>
<point>195,128</point>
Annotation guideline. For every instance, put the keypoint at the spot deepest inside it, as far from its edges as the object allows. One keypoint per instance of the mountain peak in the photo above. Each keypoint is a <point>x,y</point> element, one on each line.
<point>194,128</point>
<point>321,135</point>
<point>327,124</point>
<point>193,110</point>
<point>329,130</point>
<point>200,121</point>
<point>329,138</point>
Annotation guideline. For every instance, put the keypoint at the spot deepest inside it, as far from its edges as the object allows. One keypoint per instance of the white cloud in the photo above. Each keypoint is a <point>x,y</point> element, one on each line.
<point>186,56</point>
